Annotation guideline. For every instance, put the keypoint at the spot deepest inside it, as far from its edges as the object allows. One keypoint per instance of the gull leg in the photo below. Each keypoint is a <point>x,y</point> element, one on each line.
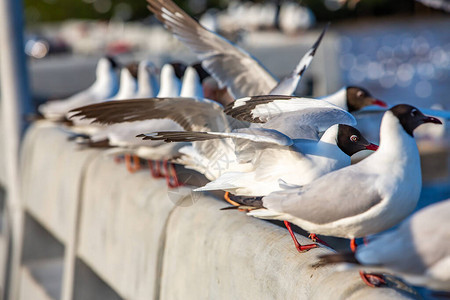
<point>136,163</point>
<point>117,159</point>
<point>174,176</point>
<point>299,247</point>
<point>315,239</point>
<point>171,175</point>
<point>128,163</point>
<point>226,197</point>
<point>372,280</point>
<point>155,168</point>
<point>158,169</point>
<point>353,245</point>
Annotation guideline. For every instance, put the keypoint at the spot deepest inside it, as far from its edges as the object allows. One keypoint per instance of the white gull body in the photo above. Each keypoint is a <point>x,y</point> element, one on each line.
<point>358,200</point>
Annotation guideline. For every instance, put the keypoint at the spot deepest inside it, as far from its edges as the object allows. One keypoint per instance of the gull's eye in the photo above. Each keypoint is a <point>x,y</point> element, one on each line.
<point>414,112</point>
<point>354,138</point>
<point>359,94</point>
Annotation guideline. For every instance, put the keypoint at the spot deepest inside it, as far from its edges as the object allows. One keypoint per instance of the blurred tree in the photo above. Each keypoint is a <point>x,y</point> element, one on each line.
<point>58,10</point>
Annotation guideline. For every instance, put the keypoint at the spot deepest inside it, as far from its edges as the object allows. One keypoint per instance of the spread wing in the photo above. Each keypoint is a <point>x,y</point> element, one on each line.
<point>289,83</point>
<point>189,113</point>
<point>281,111</point>
<point>257,135</point>
<point>228,64</point>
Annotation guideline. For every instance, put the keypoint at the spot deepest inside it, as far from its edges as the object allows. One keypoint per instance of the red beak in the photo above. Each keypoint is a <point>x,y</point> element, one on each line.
<point>432,120</point>
<point>372,147</point>
<point>379,103</point>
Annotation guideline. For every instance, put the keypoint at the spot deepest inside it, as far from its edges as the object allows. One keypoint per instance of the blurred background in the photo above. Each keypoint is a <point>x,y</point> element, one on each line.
<point>398,50</point>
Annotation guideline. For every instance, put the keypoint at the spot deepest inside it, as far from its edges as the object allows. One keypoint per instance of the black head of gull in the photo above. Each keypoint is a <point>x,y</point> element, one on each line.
<point>201,71</point>
<point>410,117</point>
<point>179,68</point>
<point>358,98</point>
<point>351,141</point>
<point>133,68</point>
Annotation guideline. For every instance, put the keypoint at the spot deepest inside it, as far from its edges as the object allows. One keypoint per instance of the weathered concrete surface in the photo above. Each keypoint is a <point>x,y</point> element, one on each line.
<point>213,254</point>
<point>122,220</point>
<point>51,168</point>
<point>41,280</point>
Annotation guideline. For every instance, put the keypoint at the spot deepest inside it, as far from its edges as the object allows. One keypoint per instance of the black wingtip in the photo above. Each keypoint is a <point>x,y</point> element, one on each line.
<point>319,40</point>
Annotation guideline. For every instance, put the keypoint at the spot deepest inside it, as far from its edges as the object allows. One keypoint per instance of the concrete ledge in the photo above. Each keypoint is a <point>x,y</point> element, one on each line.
<point>122,219</point>
<point>52,172</point>
<point>213,254</point>
<point>144,243</point>
<point>41,279</point>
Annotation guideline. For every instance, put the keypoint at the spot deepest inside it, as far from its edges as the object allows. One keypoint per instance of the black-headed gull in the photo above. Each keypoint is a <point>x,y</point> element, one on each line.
<point>230,65</point>
<point>418,250</point>
<point>105,86</point>
<point>170,84</point>
<point>265,156</point>
<point>361,199</point>
<point>147,82</point>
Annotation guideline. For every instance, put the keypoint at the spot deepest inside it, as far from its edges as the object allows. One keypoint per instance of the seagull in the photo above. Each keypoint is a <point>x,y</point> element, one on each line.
<point>171,112</point>
<point>418,250</point>
<point>265,156</point>
<point>214,157</point>
<point>170,84</point>
<point>362,199</point>
<point>122,135</point>
<point>128,84</point>
<point>127,90</point>
<point>230,65</point>
<point>147,83</point>
<point>105,86</point>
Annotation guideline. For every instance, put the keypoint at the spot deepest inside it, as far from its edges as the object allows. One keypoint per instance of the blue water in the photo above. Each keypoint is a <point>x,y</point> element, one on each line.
<point>399,61</point>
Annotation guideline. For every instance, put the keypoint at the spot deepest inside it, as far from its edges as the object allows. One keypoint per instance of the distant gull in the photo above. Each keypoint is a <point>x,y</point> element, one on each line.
<point>105,86</point>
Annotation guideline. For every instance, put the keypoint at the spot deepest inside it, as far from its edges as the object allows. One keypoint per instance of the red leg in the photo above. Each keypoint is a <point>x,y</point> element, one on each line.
<point>299,247</point>
<point>372,280</point>
<point>353,245</point>
<point>315,239</point>
<point>171,175</point>
<point>128,163</point>
<point>136,163</point>
<point>155,169</point>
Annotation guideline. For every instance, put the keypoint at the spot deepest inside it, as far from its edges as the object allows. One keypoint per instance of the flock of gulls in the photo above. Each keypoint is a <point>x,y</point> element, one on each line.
<point>277,156</point>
